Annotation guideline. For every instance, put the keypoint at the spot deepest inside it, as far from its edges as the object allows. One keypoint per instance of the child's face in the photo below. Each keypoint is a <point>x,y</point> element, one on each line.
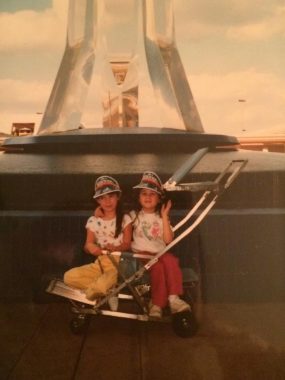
<point>108,202</point>
<point>148,199</point>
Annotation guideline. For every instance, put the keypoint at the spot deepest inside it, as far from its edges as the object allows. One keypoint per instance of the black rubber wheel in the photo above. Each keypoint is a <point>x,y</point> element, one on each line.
<point>184,324</point>
<point>79,324</point>
<point>193,296</point>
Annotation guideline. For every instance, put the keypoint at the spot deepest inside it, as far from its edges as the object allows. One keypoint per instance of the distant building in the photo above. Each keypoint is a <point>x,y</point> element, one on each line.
<point>121,111</point>
<point>263,143</point>
<point>22,129</point>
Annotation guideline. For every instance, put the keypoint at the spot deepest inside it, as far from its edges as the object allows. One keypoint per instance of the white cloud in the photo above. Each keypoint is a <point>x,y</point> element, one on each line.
<point>24,94</point>
<point>236,19</point>
<point>217,100</point>
<point>262,29</point>
<point>30,30</point>
<point>22,101</point>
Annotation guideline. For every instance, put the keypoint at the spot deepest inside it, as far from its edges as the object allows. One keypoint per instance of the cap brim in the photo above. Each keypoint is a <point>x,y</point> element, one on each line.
<point>106,192</point>
<point>156,190</point>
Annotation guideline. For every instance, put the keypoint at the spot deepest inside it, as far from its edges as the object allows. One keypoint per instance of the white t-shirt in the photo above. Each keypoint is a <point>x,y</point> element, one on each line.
<point>147,232</point>
<point>104,230</point>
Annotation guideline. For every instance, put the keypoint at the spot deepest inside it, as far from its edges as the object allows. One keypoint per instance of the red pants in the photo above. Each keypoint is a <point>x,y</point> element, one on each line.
<point>166,279</point>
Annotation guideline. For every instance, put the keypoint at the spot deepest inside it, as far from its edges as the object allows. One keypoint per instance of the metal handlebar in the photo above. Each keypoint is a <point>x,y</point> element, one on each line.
<point>185,168</point>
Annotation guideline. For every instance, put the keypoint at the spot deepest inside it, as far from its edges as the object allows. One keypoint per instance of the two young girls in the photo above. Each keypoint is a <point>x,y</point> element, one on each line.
<point>111,230</point>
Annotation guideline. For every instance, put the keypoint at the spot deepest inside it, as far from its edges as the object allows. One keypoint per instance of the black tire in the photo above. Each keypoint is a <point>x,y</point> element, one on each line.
<point>184,324</point>
<point>192,292</point>
<point>79,324</point>
<point>193,296</point>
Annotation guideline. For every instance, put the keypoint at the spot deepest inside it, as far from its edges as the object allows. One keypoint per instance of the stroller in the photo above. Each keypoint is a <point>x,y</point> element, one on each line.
<point>133,289</point>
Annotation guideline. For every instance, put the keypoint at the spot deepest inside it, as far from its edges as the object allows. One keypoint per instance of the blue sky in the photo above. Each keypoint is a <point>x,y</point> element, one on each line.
<point>16,5</point>
<point>231,50</point>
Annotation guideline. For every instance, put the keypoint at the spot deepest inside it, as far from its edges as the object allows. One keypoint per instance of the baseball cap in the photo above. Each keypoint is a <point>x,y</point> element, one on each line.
<point>106,185</point>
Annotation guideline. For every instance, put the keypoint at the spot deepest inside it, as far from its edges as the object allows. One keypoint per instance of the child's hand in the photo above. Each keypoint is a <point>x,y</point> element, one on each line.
<point>166,208</point>
<point>111,247</point>
<point>93,249</point>
<point>98,213</point>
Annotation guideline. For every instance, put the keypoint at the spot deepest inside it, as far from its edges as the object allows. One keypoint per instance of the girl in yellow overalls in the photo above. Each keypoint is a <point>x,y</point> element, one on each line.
<point>111,231</point>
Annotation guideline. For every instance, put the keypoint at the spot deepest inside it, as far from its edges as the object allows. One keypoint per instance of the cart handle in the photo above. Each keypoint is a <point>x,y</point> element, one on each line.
<point>127,254</point>
<point>185,168</point>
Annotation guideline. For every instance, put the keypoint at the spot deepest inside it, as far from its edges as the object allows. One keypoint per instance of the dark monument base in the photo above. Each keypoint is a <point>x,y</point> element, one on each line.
<point>46,195</point>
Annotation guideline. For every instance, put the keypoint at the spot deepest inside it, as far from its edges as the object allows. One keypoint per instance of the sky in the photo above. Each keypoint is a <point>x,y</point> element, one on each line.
<point>233,52</point>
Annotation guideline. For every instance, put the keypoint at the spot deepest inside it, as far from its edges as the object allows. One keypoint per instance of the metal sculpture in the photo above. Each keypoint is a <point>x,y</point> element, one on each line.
<point>114,50</point>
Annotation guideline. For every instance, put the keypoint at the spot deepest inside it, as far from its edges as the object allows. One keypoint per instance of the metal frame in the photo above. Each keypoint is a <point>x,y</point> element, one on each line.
<point>212,191</point>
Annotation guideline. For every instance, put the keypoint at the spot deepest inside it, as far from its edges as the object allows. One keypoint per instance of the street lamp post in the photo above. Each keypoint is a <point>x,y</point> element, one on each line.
<point>243,101</point>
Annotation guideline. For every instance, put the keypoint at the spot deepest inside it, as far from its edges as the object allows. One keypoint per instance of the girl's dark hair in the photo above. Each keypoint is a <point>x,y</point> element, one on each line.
<point>119,218</point>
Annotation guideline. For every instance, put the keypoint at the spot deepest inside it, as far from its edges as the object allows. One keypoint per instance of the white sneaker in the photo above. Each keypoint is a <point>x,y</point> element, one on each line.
<point>155,311</point>
<point>113,302</point>
<point>177,305</point>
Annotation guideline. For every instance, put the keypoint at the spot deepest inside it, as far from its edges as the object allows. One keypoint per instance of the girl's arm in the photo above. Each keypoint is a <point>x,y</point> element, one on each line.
<point>126,243</point>
<point>90,246</point>
<point>98,212</point>
<point>167,231</point>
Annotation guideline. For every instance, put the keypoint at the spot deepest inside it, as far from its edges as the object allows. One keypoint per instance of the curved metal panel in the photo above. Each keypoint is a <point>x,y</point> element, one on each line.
<point>134,43</point>
<point>65,105</point>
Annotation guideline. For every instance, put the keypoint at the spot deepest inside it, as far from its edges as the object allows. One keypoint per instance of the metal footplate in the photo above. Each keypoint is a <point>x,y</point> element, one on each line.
<point>80,303</point>
<point>58,287</point>
<point>119,314</point>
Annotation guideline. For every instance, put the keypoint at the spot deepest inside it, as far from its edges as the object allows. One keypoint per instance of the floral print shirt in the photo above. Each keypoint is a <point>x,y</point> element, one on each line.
<point>104,230</point>
<point>147,232</point>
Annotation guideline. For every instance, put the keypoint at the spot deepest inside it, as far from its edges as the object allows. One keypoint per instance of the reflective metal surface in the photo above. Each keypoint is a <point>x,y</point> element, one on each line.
<point>65,106</point>
<point>121,68</point>
<point>169,80</point>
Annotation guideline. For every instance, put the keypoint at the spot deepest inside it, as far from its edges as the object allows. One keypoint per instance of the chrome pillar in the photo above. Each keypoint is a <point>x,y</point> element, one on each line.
<point>113,50</point>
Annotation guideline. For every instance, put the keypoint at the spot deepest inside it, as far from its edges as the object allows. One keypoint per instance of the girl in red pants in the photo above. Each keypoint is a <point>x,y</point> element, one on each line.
<point>151,233</point>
